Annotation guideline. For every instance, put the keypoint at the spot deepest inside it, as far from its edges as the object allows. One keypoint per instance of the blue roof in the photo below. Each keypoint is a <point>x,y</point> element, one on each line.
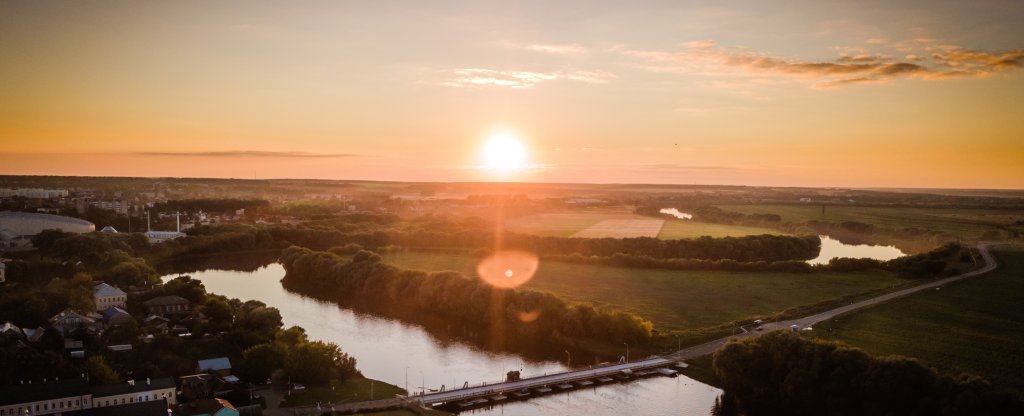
<point>111,311</point>
<point>221,363</point>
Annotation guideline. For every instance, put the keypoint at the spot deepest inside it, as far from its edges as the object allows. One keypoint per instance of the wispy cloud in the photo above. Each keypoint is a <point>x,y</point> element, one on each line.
<point>551,48</point>
<point>481,77</point>
<point>945,61</point>
<point>249,153</point>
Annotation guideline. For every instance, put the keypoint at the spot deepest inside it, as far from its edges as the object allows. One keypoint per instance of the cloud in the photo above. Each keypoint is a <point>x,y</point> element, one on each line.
<point>550,48</point>
<point>248,153</point>
<point>481,77</point>
<point>706,58</point>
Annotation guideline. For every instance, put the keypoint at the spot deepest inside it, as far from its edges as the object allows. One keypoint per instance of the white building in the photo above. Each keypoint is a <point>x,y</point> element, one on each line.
<point>106,296</point>
<point>64,396</point>
<point>135,391</point>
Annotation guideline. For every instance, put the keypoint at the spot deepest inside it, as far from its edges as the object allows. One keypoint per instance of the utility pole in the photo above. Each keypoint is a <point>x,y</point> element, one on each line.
<point>569,362</point>
<point>407,381</point>
<point>627,351</point>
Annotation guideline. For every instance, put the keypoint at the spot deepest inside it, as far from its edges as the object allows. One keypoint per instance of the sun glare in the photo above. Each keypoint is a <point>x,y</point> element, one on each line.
<point>504,152</point>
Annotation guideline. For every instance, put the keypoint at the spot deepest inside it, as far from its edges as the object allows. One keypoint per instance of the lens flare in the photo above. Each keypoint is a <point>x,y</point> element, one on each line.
<point>508,268</point>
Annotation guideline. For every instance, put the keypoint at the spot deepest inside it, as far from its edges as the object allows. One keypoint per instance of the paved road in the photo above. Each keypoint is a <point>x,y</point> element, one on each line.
<point>710,347</point>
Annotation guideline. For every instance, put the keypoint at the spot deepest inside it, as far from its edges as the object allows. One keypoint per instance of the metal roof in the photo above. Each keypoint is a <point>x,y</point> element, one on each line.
<point>104,289</point>
<point>220,363</point>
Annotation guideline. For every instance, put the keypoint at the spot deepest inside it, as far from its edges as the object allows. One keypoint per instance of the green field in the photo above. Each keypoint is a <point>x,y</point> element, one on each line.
<point>964,223</point>
<point>974,326</point>
<point>565,224</point>
<point>679,229</point>
<point>352,390</point>
<point>676,300</point>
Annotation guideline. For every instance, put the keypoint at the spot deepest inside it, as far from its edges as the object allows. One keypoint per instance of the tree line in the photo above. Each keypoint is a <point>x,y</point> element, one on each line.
<point>782,373</point>
<point>519,312</point>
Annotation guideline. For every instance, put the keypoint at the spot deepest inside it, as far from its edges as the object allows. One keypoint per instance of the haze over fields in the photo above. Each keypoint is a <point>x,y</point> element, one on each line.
<point>795,93</point>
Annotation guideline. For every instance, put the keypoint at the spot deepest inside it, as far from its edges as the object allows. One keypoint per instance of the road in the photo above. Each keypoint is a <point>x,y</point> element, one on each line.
<point>710,346</point>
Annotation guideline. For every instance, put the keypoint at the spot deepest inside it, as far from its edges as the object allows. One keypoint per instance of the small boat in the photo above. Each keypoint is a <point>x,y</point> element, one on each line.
<point>465,404</point>
<point>542,390</point>
<point>605,380</point>
<point>565,386</point>
<point>521,393</point>
<point>499,398</point>
<point>584,383</point>
<point>668,372</point>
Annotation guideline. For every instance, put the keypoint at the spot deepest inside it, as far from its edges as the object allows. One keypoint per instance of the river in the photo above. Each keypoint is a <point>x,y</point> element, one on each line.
<point>400,353</point>
<point>832,248</point>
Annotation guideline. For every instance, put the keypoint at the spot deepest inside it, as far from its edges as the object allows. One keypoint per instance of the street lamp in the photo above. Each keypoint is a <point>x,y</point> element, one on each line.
<point>569,360</point>
<point>423,384</point>
<point>627,351</point>
<point>406,381</point>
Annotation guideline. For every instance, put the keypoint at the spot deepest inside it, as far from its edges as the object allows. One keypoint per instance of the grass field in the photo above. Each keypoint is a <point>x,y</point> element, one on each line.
<point>965,223</point>
<point>353,390</point>
<point>678,229</point>
<point>974,326</point>
<point>676,300</point>
<point>569,224</point>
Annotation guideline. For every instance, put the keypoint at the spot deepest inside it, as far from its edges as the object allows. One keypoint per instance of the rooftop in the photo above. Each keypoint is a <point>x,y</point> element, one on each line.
<point>220,363</point>
<point>166,300</point>
<point>104,289</point>
<point>23,393</point>
<point>140,386</point>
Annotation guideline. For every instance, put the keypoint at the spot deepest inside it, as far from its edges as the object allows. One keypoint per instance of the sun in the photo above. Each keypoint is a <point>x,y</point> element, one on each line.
<point>504,152</point>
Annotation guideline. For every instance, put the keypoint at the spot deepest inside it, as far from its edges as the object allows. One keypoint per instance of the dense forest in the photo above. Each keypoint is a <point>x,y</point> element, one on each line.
<point>781,373</point>
<point>522,313</point>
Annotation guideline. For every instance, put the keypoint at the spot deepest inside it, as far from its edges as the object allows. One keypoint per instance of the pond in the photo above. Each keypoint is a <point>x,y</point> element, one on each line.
<point>832,248</point>
<point>676,213</point>
<point>400,353</point>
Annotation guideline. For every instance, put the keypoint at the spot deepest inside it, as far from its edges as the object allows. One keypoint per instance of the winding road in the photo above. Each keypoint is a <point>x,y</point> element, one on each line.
<point>710,346</point>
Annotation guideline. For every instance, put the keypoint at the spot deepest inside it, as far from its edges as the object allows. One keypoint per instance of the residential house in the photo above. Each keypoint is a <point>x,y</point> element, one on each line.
<point>211,407</point>
<point>199,386</point>
<point>106,296</point>
<point>70,321</point>
<point>10,333</point>
<point>168,305</point>
<point>114,316</point>
<point>156,324</point>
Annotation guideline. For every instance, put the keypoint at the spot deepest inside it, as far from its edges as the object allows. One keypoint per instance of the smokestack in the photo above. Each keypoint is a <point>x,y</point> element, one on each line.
<point>177,217</point>
<point>147,222</point>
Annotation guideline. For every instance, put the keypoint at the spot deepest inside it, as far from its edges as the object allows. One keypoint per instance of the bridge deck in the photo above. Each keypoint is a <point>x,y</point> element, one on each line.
<point>526,383</point>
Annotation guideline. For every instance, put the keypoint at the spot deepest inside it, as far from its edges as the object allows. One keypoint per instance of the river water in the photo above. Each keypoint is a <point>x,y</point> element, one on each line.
<point>408,355</point>
<point>832,248</point>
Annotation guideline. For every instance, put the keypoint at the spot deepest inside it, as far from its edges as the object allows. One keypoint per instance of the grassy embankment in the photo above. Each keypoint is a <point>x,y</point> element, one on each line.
<point>567,224</point>
<point>351,390</point>
<point>689,303</point>
<point>974,326</point>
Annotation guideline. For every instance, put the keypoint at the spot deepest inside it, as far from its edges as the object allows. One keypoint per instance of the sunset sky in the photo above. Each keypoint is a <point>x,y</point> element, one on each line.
<point>800,93</point>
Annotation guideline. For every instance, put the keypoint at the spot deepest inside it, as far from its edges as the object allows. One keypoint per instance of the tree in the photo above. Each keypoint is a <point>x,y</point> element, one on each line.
<point>263,359</point>
<point>99,372</point>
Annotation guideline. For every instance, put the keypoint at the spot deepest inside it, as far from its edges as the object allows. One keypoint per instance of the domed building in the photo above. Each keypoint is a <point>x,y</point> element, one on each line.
<point>18,228</point>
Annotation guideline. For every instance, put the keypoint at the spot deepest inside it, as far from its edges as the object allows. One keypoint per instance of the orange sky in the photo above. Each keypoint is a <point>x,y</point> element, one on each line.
<point>900,94</point>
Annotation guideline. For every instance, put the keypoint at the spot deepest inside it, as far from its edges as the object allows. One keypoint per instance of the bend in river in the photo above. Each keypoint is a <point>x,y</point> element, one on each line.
<point>400,353</point>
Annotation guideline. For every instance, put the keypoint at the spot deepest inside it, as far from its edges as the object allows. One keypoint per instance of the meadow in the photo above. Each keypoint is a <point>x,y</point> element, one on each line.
<point>676,300</point>
<point>974,326</point>
<point>589,224</point>
<point>963,223</point>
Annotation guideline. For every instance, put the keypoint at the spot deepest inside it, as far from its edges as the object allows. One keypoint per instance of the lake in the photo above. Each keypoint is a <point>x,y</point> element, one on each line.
<point>832,248</point>
<point>676,213</point>
<point>398,353</point>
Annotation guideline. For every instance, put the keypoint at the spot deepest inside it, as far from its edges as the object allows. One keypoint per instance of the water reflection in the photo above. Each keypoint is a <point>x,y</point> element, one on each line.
<point>395,352</point>
<point>676,213</point>
<point>831,249</point>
